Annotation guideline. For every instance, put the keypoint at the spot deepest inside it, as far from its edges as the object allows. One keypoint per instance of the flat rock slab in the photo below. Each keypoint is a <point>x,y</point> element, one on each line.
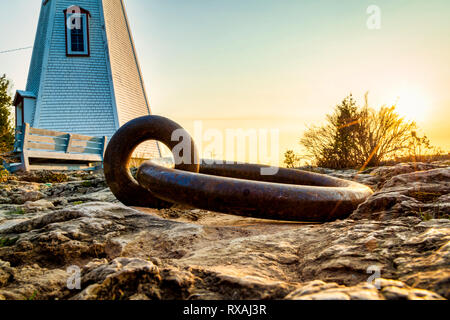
<point>385,250</point>
<point>235,258</point>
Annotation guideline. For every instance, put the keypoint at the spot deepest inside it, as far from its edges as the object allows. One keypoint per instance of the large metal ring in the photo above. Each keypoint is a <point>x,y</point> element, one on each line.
<point>120,149</point>
<point>289,195</point>
<point>238,189</point>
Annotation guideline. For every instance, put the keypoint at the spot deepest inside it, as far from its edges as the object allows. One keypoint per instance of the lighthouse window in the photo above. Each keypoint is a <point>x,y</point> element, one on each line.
<point>77,34</point>
<point>77,39</point>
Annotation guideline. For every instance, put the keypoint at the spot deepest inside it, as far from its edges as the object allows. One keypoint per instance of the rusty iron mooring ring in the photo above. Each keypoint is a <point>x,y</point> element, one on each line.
<point>238,189</point>
<point>120,149</point>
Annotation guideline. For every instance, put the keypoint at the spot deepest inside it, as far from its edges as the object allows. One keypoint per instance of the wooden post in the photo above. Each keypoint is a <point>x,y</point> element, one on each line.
<point>69,143</point>
<point>18,137</point>
<point>24,155</point>
<point>105,143</point>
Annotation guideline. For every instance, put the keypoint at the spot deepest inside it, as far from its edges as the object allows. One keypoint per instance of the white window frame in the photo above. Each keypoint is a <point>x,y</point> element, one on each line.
<point>19,114</point>
<point>84,20</point>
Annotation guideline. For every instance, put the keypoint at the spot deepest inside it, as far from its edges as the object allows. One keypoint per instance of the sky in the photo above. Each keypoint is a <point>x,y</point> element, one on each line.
<point>275,64</point>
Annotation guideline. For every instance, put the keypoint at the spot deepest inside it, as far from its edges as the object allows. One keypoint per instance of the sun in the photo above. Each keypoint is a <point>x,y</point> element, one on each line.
<point>413,104</point>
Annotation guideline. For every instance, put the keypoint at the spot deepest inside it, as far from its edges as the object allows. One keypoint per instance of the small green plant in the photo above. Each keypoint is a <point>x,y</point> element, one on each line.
<point>4,174</point>
<point>45,177</point>
<point>426,196</point>
<point>426,216</point>
<point>76,203</point>
<point>16,212</point>
<point>6,126</point>
<point>291,160</point>
<point>87,184</point>
<point>52,177</point>
<point>33,296</point>
<point>137,160</point>
<point>429,215</point>
<point>8,242</point>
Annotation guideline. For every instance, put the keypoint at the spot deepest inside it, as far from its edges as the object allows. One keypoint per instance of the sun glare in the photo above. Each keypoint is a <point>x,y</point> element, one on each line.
<point>413,104</point>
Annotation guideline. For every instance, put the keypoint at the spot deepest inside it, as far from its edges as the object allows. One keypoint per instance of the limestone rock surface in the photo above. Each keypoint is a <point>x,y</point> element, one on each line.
<point>396,245</point>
